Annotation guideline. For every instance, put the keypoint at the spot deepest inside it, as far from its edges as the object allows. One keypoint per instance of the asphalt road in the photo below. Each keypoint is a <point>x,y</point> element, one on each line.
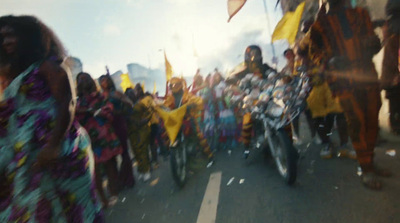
<point>325,191</point>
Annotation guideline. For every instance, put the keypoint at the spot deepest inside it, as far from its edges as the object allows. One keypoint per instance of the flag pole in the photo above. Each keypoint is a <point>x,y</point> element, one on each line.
<point>274,59</point>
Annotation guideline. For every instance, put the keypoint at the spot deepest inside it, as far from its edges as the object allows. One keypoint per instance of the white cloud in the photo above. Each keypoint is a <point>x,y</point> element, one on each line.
<point>111,30</point>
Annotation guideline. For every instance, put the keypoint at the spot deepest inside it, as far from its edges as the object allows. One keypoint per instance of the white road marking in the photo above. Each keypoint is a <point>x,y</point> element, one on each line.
<point>208,209</point>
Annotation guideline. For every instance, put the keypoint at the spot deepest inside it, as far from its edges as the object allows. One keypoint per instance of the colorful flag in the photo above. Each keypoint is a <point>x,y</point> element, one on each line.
<point>289,25</point>
<point>172,121</point>
<point>126,82</point>
<point>168,68</point>
<point>234,6</point>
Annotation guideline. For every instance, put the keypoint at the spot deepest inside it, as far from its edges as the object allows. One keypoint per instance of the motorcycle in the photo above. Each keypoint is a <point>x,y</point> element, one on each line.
<point>273,104</point>
<point>182,152</point>
<point>183,147</point>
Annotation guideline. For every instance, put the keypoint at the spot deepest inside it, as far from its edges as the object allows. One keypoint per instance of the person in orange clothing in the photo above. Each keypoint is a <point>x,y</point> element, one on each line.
<point>344,38</point>
<point>180,96</point>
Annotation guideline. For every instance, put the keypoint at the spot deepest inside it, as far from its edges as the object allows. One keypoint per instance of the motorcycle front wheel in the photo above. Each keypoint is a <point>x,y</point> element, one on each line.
<point>178,161</point>
<point>285,156</point>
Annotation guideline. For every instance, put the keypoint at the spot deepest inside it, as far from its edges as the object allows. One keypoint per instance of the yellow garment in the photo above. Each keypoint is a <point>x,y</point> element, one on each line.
<point>246,118</point>
<point>172,121</point>
<point>139,136</point>
<point>288,26</point>
<point>141,111</point>
<point>195,102</point>
<point>126,82</point>
<point>149,102</point>
<point>155,119</point>
<point>321,102</point>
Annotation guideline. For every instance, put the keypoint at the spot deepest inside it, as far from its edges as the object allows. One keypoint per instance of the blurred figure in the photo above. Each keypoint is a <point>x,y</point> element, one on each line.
<point>344,38</point>
<point>290,70</point>
<point>44,155</point>
<point>290,62</point>
<point>139,130</point>
<point>390,78</point>
<point>198,83</point>
<point>253,61</point>
<point>208,120</point>
<point>181,96</point>
<point>122,109</point>
<point>226,122</point>
<point>95,114</point>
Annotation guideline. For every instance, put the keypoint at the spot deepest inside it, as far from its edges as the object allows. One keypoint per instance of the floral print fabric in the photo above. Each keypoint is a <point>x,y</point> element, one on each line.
<point>105,143</point>
<point>62,193</point>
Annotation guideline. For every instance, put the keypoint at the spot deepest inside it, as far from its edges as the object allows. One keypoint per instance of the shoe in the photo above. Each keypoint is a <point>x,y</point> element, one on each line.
<point>326,152</point>
<point>146,176</point>
<point>246,153</point>
<point>370,181</point>
<point>210,163</point>
<point>346,151</point>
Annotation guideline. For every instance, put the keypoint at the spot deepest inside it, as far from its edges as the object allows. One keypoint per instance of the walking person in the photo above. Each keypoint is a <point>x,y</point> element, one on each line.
<point>390,78</point>
<point>140,131</point>
<point>44,157</point>
<point>122,108</point>
<point>95,114</point>
<point>345,37</point>
<point>225,119</point>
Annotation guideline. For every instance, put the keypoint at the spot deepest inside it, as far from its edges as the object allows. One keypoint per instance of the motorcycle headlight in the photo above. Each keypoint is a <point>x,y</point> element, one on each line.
<point>275,110</point>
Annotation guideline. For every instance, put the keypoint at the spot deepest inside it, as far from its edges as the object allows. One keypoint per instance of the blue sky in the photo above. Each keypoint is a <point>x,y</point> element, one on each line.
<point>118,32</point>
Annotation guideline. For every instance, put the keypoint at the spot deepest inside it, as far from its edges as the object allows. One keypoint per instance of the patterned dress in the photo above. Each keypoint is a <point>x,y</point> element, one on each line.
<point>105,143</point>
<point>226,121</point>
<point>208,124</point>
<point>63,193</point>
<point>121,111</point>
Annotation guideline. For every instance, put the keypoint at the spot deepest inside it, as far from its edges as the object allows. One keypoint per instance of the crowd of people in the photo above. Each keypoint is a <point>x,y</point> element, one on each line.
<point>60,138</point>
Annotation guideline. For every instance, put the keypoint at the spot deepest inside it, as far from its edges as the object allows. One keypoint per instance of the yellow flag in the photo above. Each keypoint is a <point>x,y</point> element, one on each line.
<point>168,68</point>
<point>154,88</point>
<point>289,25</point>
<point>172,121</point>
<point>234,6</point>
<point>126,82</point>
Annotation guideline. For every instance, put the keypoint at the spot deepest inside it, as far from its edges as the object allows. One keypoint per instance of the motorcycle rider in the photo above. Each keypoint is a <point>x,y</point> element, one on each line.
<point>253,63</point>
<point>180,96</point>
